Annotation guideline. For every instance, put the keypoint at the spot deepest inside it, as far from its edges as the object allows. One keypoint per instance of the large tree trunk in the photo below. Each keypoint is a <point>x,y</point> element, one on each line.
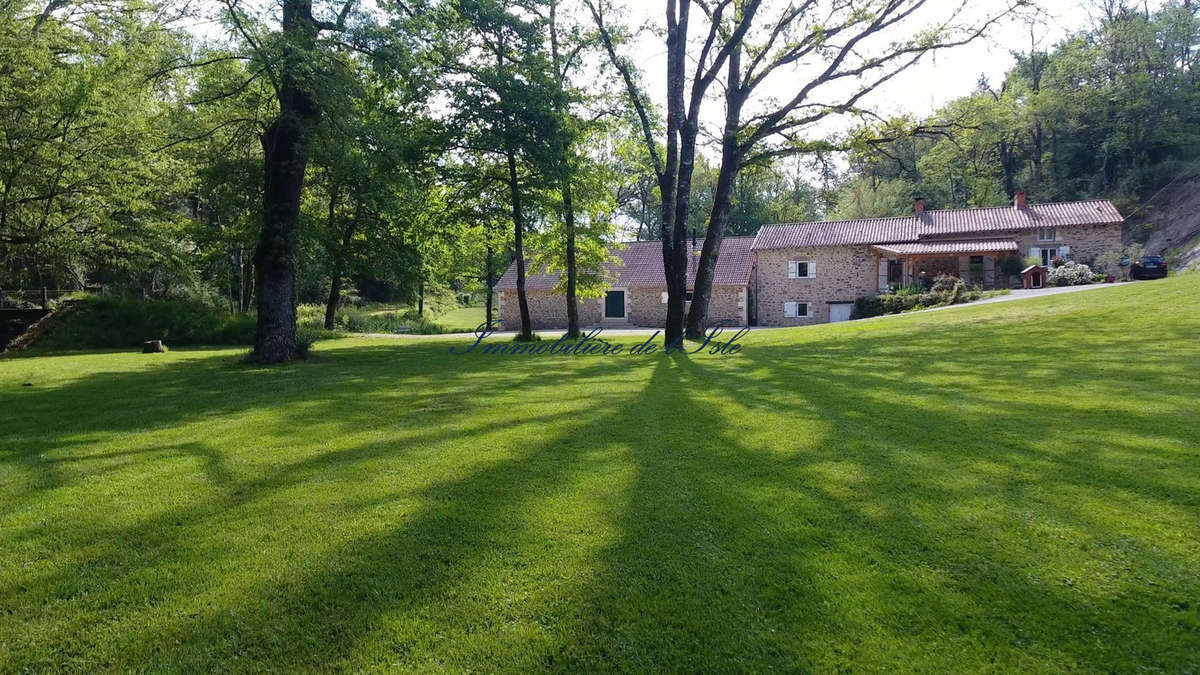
<point>335,297</point>
<point>247,282</point>
<point>490,282</point>
<point>518,219</point>
<point>285,159</point>
<point>274,263</point>
<point>668,169</point>
<point>675,250</point>
<point>421,294</point>
<point>339,269</point>
<point>567,197</point>
<point>697,320</point>
<point>735,98</point>
<point>675,181</point>
<point>572,271</point>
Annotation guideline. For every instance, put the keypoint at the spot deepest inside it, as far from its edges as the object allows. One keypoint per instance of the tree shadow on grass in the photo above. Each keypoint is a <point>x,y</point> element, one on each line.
<point>455,518</point>
<point>344,389</point>
<point>853,548</point>
<point>966,481</point>
<point>426,567</point>
<point>646,524</point>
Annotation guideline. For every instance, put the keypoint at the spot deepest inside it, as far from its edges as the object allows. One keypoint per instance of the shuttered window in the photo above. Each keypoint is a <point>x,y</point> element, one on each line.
<point>802,269</point>
<point>795,310</point>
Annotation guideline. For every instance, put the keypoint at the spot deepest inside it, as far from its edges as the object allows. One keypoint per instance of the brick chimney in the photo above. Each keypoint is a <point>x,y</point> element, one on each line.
<point>919,206</point>
<point>1019,199</point>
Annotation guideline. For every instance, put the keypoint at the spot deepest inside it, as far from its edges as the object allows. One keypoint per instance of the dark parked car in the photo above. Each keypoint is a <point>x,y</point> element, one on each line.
<point>1149,267</point>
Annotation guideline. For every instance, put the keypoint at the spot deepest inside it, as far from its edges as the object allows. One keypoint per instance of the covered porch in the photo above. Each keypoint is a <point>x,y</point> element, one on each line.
<point>977,262</point>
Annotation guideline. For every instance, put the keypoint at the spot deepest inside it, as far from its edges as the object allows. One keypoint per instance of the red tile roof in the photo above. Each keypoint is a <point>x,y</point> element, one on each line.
<point>948,222</point>
<point>955,247</point>
<point>639,264</point>
<point>836,233</point>
<point>1007,218</point>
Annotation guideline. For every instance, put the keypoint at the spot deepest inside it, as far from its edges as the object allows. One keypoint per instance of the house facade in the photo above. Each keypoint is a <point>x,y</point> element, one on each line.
<point>637,292</point>
<point>812,272</point>
<point>794,274</point>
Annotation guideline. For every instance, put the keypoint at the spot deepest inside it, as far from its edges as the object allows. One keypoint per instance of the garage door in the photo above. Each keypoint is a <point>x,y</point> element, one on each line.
<point>840,312</point>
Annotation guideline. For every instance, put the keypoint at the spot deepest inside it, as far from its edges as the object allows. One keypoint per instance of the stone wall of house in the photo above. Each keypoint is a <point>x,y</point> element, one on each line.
<point>1086,241</point>
<point>643,307</point>
<point>843,274</point>
<point>547,310</point>
<point>726,307</point>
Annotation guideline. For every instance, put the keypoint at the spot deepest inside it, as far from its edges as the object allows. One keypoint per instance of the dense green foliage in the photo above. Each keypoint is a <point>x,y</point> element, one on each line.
<point>83,195</point>
<point>113,321</point>
<point>1112,112</point>
<point>812,503</point>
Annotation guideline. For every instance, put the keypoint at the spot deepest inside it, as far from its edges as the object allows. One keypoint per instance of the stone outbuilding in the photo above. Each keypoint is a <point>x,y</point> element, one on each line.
<point>637,292</point>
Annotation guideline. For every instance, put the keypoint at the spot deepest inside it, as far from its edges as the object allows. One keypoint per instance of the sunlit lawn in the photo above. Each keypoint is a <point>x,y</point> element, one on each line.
<point>1005,487</point>
<point>462,319</point>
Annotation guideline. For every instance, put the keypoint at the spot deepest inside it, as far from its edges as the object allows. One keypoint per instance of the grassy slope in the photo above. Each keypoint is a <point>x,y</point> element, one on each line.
<point>1013,486</point>
<point>462,319</point>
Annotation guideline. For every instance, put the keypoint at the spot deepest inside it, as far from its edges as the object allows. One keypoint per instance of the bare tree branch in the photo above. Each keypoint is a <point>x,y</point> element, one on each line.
<point>636,97</point>
<point>340,24</point>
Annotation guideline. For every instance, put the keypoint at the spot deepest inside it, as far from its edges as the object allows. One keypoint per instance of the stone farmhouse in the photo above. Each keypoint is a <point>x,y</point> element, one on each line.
<point>802,273</point>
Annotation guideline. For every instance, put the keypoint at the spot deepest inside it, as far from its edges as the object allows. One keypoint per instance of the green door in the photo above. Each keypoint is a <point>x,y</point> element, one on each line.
<point>614,305</point>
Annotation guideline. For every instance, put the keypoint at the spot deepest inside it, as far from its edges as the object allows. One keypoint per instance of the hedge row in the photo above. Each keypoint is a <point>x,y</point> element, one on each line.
<point>946,290</point>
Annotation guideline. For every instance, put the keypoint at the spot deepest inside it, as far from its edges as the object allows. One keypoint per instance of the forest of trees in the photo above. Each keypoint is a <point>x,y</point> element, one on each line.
<point>258,155</point>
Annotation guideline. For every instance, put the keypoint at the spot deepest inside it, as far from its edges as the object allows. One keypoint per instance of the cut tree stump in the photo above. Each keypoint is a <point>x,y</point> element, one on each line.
<point>153,347</point>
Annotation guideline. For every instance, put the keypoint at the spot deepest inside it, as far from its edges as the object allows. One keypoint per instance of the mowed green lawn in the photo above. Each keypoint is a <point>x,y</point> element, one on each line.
<point>463,319</point>
<point>1005,487</point>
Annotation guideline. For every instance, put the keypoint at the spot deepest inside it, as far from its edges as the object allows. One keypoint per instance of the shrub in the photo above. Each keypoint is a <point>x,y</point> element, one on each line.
<point>305,338</point>
<point>1109,262</point>
<point>945,283</point>
<point>426,326</point>
<point>361,320</point>
<point>439,300</point>
<point>111,321</point>
<point>946,290</point>
<point>895,303</point>
<point>1070,273</point>
<point>1012,265</point>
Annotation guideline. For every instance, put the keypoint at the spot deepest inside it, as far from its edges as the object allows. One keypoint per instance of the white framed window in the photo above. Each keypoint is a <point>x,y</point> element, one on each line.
<point>796,310</point>
<point>802,269</point>
<point>1047,234</point>
<point>1048,256</point>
